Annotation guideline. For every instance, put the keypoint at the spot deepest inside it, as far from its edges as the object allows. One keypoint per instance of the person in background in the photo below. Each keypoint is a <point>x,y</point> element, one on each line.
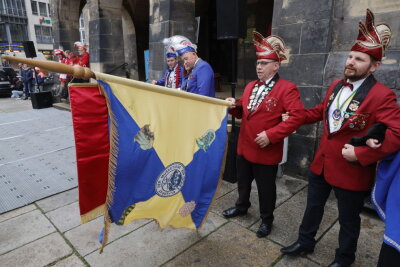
<point>38,79</point>
<point>27,79</point>
<point>198,77</point>
<point>61,76</point>
<point>18,88</point>
<point>174,75</point>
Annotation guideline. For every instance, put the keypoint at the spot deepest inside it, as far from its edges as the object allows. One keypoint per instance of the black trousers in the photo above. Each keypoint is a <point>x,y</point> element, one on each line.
<point>350,204</point>
<point>265,176</point>
<point>389,256</point>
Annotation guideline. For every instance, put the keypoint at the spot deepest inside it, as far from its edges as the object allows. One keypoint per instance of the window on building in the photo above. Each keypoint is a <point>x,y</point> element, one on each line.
<point>43,9</point>
<point>43,34</point>
<point>34,8</point>
<point>3,32</point>
<point>19,32</point>
<point>48,6</point>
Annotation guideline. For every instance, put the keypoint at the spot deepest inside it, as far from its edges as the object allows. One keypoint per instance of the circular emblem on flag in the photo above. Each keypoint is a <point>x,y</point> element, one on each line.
<point>171,180</point>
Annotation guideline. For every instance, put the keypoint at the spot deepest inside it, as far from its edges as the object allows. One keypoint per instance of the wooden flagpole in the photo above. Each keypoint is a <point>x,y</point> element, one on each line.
<point>86,73</point>
<point>76,71</point>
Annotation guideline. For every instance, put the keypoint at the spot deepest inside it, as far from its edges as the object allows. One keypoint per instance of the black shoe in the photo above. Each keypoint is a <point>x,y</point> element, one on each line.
<point>233,212</point>
<point>296,249</point>
<point>264,230</point>
<point>336,264</point>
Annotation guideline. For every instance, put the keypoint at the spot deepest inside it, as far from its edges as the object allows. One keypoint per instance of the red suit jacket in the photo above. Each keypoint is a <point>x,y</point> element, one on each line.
<point>283,97</point>
<point>372,103</point>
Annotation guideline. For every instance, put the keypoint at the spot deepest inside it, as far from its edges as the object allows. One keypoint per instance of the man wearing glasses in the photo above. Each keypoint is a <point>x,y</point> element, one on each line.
<point>260,144</point>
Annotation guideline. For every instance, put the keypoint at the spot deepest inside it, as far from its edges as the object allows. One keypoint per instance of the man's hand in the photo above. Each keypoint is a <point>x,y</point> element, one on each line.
<point>153,82</point>
<point>233,101</point>
<point>348,153</point>
<point>262,139</point>
<point>373,143</point>
<point>285,116</point>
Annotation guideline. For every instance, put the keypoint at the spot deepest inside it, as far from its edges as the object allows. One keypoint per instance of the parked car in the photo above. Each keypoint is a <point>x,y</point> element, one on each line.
<point>7,76</point>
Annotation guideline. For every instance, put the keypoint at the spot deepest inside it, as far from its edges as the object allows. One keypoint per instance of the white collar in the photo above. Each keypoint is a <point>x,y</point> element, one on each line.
<point>357,84</point>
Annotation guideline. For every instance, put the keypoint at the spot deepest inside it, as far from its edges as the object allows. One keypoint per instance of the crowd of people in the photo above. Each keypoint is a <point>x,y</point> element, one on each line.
<point>32,80</point>
<point>81,58</point>
<point>271,109</point>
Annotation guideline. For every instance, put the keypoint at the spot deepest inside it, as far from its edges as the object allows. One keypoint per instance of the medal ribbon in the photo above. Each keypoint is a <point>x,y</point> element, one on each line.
<point>346,101</point>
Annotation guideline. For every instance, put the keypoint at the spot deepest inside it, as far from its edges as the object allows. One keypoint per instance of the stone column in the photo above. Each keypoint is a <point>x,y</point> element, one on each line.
<point>106,36</point>
<point>168,18</point>
<point>307,35</point>
<point>65,23</point>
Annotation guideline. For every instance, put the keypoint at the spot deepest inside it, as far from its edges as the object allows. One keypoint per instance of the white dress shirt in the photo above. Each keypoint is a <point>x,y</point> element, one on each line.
<point>346,92</point>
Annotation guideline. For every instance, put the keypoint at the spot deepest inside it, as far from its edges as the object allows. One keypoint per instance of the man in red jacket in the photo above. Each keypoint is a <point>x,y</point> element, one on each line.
<point>260,144</point>
<point>350,108</point>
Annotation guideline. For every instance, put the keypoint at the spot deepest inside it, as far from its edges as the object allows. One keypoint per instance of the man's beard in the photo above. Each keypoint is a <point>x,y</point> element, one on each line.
<point>355,76</point>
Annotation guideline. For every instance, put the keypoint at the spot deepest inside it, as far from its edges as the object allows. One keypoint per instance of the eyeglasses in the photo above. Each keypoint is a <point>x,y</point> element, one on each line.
<point>264,63</point>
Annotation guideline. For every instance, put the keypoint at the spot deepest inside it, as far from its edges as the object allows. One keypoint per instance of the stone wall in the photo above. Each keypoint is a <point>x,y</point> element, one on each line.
<point>168,18</point>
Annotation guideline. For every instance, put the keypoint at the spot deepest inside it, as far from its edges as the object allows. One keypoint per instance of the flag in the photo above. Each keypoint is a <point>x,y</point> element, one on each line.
<point>90,123</point>
<point>166,153</point>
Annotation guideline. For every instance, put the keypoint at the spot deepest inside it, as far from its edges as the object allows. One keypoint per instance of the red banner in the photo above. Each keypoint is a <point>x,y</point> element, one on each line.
<point>90,123</point>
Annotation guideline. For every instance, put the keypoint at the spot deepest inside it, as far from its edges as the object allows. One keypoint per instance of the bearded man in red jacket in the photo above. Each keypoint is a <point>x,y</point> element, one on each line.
<point>260,143</point>
<point>350,108</point>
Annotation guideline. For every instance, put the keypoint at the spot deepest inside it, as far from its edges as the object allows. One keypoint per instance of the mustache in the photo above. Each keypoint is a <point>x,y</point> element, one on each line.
<point>349,67</point>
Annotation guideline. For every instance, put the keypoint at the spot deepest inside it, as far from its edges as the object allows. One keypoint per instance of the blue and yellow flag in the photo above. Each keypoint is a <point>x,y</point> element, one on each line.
<point>167,149</point>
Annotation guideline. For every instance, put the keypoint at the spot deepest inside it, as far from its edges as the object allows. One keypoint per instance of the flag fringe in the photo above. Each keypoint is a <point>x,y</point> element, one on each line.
<point>94,213</point>
<point>114,149</point>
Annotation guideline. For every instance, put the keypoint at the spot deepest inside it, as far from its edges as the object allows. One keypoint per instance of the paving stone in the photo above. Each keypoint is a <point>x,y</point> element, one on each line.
<point>230,245</point>
<point>23,229</point>
<point>148,246</point>
<point>225,188</point>
<point>289,215</point>
<point>369,243</point>
<point>65,218</point>
<point>69,262</point>
<point>229,200</point>
<point>85,237</point>
<point>285,188</point>
<point>295,262</point>
<point>59,200</point>
<point>16,212</point>
<point>38,253</point>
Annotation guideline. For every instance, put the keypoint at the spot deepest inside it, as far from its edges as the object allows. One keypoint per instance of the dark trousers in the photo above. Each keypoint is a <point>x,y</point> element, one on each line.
<point>350,204</point>
<point>389,256</point>
<point>265,176</point>
<point>27,88</point>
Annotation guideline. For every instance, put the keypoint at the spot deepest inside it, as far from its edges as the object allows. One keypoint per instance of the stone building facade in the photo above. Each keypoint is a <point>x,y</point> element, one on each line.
<point>318,37</point>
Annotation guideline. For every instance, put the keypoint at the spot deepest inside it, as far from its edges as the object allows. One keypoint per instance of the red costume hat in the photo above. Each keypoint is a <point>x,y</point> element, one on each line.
<point>58,52</point>
<point>271,47</point>
<point>372,40</point>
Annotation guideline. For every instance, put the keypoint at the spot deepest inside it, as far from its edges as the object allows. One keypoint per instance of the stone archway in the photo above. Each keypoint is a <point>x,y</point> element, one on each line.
<point>128,29</point>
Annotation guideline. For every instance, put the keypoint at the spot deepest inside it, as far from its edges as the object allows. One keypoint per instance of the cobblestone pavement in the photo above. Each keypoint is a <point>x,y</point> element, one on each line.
<point>48,233</point>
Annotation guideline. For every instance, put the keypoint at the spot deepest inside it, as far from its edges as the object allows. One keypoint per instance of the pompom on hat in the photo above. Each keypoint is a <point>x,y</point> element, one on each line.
<point>372,40</point>
<point>180,44</point>
<point>81,45</point>
<point>271,47</point>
